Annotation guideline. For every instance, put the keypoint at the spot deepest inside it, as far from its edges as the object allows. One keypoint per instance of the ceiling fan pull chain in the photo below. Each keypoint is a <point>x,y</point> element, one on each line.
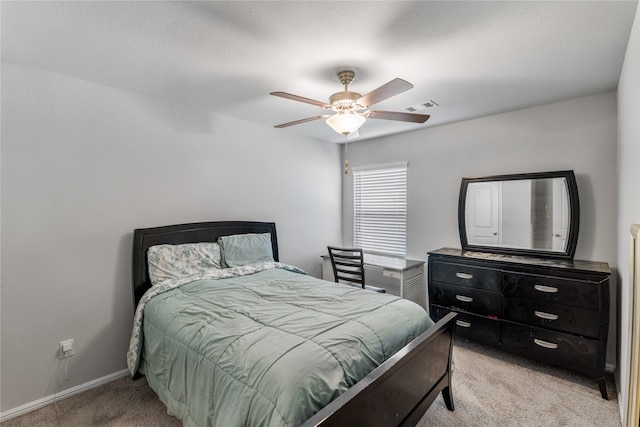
<point>346,153</point>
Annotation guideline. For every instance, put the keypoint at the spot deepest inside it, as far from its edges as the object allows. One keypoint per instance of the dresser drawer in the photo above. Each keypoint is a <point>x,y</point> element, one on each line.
<point>579,293</point>
<point>468,299</point>
<point>555,348</point>
<point>477,328</point>
<point>466,275</point>
<point>553,316</point>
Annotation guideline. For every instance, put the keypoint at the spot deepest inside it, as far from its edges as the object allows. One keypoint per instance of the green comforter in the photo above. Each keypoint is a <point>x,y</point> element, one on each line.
<point>266,349</point>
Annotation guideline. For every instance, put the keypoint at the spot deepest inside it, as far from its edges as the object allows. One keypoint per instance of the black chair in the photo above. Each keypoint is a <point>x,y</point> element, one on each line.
<point>348,267</point>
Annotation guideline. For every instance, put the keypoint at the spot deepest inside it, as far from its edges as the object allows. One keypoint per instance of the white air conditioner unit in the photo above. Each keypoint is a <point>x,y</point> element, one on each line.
<point>405,281</point>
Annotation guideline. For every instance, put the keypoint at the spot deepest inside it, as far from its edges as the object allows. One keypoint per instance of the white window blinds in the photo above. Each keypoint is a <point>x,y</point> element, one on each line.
<point>380,209</point>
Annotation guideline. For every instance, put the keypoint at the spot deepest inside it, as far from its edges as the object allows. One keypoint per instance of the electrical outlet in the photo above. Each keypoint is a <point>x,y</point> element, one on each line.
<point>66,348</point>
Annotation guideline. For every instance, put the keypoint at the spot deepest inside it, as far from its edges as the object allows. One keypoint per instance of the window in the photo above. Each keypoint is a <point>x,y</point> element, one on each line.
<point>380,208</point>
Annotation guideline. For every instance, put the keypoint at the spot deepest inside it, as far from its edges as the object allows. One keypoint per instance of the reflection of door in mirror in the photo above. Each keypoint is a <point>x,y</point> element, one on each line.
<point>560,214</point>
<point>499,213</point>
<point>483,213</point>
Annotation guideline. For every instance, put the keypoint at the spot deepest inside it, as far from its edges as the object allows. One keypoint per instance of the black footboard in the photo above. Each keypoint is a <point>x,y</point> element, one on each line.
<point>398,392</point>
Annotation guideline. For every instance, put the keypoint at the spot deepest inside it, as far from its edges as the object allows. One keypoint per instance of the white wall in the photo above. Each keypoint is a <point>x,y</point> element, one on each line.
<point>628,196</point>
<point>85,164</point>
<point>579,134</point>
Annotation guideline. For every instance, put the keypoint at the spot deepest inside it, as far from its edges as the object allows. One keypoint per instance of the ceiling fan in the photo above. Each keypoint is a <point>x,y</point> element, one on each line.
<point>347,105</point>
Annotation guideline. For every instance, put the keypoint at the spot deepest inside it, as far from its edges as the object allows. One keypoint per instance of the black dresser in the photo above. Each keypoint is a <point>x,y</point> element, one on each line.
<point>553,311</point>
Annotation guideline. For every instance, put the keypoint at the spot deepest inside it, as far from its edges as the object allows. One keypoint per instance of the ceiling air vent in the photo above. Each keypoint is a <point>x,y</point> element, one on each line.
<point>422,106</point>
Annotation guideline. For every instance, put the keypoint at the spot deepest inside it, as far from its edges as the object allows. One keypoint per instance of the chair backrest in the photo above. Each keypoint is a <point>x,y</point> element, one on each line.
<point>348,265</point>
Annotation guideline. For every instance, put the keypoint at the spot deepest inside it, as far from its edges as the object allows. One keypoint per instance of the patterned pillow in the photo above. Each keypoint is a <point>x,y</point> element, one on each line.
<point>243,249</point>
<point>176,261</point>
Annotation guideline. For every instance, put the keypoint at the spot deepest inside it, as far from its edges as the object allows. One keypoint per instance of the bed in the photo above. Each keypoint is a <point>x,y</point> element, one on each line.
<point>259,312</point>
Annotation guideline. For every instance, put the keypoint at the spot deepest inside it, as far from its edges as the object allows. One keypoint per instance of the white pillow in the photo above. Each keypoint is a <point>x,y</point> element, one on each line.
<point>177,261</point>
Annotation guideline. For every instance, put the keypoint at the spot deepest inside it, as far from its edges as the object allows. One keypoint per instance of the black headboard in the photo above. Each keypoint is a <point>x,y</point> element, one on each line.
<point>143,238</point>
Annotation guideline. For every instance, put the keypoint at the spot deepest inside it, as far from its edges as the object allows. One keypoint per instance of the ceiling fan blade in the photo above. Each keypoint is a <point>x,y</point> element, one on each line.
<point>385,91</point>
<point>300,98</point>
<point>297,122</point>
<point>395,115</point>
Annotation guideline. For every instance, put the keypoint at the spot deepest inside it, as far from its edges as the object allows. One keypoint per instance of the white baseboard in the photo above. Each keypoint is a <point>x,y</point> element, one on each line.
<point>40,403</point>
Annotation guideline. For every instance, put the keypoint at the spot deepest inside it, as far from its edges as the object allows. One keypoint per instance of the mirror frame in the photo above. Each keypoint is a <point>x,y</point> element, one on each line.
<point>574,215</point>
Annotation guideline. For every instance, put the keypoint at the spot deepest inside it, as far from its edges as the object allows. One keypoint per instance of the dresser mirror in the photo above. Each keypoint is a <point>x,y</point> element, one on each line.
<point>535,214</point>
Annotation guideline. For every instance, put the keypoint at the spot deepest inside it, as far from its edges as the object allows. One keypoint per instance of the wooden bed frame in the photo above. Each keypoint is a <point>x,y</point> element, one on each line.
<point>396,393</point>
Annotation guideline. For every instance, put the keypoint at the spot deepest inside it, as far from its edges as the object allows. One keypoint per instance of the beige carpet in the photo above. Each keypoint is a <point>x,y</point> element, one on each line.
<point>490,388</point>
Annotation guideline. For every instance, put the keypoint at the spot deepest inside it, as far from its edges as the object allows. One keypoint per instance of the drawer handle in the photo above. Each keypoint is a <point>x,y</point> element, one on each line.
<point>463,323</point>
<point>546,316</point>
<point>547,289</point>
<point>545,344</point>
<point>464,275</point>
<point>464,298</point>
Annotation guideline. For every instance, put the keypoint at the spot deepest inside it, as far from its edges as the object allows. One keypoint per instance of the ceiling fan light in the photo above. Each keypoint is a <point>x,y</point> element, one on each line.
<point>346,123</point>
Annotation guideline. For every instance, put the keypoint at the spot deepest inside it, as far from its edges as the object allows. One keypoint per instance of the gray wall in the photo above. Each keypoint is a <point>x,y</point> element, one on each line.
<point>85,164</point>
<point>628,197</point>
<point>579,134</point>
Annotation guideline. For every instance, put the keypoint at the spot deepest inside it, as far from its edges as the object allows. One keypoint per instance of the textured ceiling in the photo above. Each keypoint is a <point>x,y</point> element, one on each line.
<point>472,58</point>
